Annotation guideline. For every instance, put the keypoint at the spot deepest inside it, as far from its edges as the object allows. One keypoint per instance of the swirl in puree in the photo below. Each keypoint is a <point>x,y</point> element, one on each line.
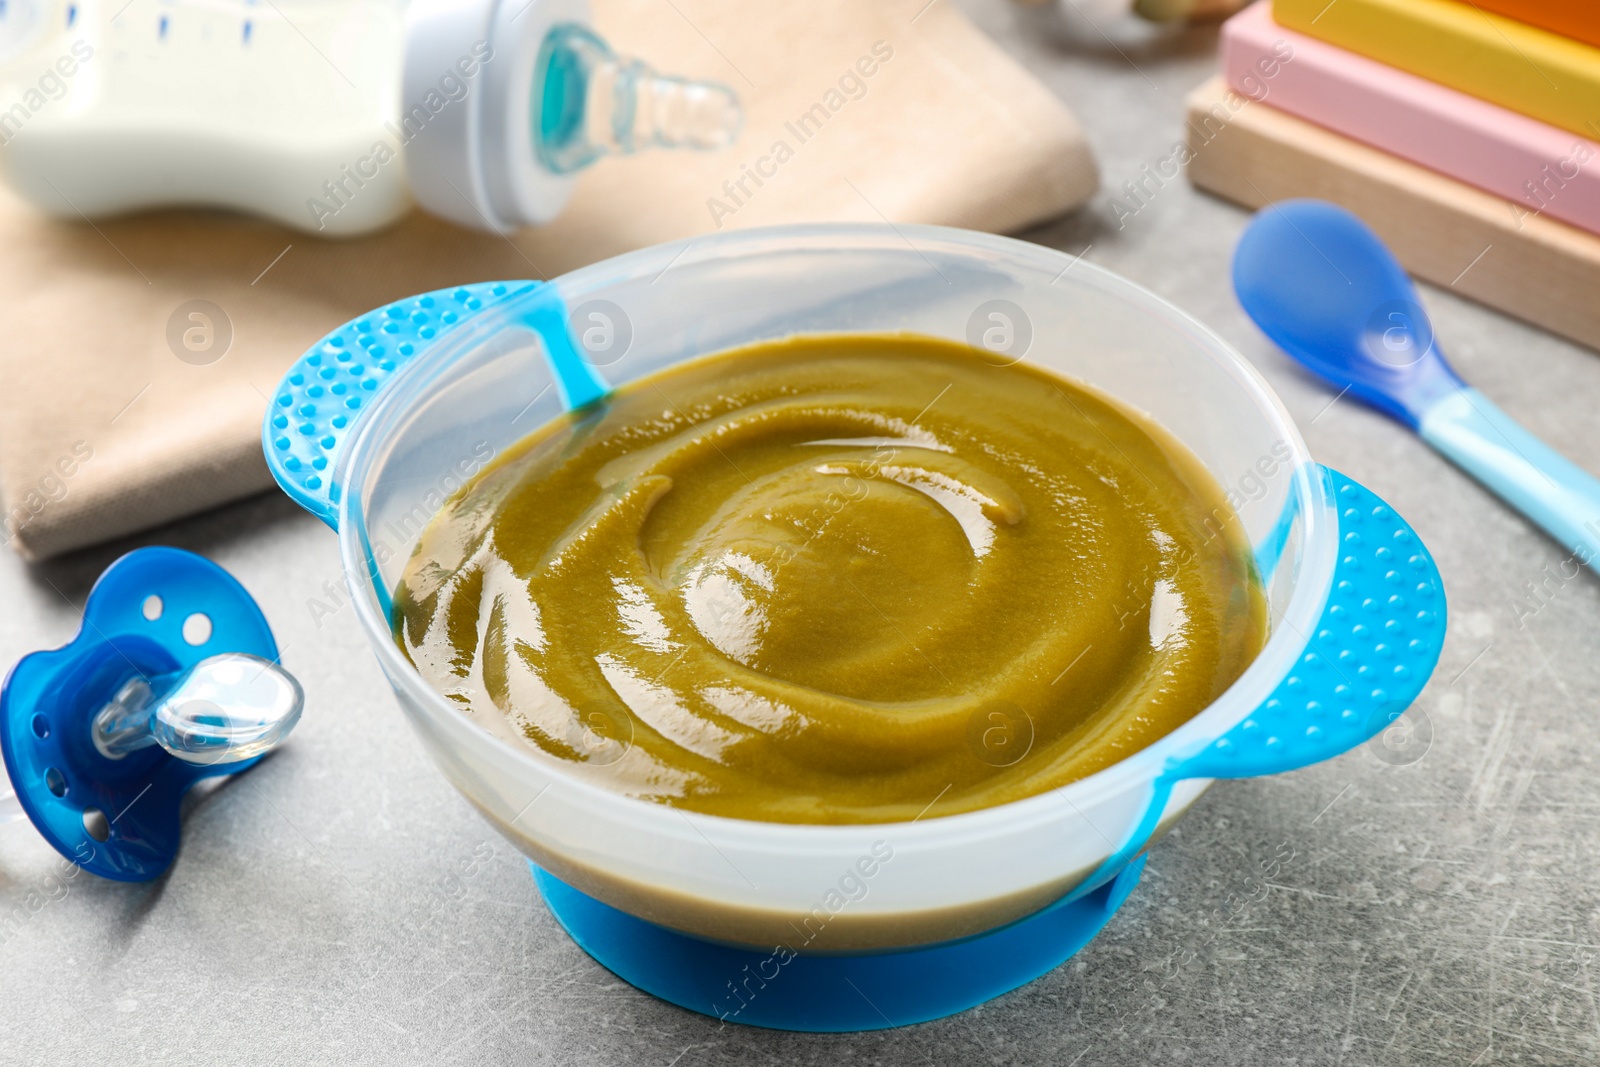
<point>838,579</point>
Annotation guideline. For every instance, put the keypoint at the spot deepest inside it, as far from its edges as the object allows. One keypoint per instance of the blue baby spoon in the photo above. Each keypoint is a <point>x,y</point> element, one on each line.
<point>173,678</point>
<point>1322,285</point>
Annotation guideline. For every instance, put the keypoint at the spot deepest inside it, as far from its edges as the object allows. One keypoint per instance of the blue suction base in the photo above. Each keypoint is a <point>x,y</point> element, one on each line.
<point>832,994</point>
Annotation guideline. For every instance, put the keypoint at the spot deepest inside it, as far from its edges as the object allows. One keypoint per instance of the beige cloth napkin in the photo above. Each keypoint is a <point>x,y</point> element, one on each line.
<point>104,431</point>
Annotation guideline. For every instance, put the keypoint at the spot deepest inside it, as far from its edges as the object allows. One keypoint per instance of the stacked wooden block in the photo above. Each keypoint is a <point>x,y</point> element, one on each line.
<point>1464,131</point>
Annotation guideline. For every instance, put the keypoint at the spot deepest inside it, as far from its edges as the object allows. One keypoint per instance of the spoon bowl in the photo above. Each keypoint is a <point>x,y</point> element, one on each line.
<point>1323,286</point>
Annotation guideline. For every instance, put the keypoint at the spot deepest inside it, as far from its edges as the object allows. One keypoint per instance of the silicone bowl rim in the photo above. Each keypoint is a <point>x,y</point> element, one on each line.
<point>1284,647</point>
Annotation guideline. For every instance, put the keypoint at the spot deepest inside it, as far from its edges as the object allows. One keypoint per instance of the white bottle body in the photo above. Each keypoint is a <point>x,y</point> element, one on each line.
<point>293,110</point>
<point>329,116</point>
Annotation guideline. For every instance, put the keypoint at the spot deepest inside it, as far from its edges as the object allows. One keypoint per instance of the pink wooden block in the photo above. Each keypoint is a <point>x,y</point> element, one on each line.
<point>1538,168</point>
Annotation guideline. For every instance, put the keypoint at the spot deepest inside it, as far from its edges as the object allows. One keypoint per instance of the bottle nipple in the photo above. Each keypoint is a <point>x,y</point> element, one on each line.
<point>589,102</point>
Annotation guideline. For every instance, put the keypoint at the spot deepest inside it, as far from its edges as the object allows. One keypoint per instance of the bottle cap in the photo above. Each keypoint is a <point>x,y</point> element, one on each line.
<point>504,101</point>
<point>471,159</point>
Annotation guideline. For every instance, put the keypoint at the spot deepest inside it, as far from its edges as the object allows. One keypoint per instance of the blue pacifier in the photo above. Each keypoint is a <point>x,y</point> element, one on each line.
<point>172,678</point>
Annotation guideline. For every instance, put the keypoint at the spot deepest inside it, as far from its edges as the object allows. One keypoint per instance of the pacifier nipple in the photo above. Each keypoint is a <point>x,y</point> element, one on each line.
<point>590,102</point>
<point>224,709</point>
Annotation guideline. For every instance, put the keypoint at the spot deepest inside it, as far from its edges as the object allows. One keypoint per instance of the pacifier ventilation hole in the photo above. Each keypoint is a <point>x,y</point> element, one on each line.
<point>96,825</point>
<point>197,629</point>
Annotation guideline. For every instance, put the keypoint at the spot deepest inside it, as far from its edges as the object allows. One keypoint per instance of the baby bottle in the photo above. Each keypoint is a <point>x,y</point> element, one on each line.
<point>331,116</point>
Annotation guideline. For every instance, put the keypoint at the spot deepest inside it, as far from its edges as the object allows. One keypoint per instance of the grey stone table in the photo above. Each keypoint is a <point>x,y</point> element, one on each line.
<point>341,904</point>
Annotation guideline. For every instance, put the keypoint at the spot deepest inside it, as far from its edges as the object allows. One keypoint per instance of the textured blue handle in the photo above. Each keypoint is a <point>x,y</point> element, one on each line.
<point>1368,657</point>
<point>320,399</point>
<point>50,700</point>
<point>323,396</point>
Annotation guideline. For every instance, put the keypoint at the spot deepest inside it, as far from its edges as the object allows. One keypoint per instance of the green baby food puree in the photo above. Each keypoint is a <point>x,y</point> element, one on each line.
<point>837,579</point>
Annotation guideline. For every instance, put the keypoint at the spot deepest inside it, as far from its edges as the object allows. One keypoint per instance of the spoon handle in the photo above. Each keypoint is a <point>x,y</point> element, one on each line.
<point>1524,471</point>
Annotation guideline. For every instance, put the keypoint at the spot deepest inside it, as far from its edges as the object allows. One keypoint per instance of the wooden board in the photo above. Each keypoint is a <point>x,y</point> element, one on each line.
<point>1444,231</point>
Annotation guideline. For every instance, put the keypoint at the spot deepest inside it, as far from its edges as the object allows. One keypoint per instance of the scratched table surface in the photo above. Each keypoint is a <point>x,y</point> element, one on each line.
<point>341,904</point>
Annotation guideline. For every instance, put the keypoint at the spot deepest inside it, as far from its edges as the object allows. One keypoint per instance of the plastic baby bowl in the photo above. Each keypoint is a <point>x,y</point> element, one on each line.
<point>390,413</point>
<point>172,678</point>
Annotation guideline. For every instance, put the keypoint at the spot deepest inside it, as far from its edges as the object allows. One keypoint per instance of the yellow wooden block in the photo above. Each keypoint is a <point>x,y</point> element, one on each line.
<point>1506,62</point>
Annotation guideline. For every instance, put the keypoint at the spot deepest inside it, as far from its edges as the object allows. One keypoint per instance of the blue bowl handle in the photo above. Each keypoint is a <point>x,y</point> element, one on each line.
<point>1368,657</point>
<point>325,393</point>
